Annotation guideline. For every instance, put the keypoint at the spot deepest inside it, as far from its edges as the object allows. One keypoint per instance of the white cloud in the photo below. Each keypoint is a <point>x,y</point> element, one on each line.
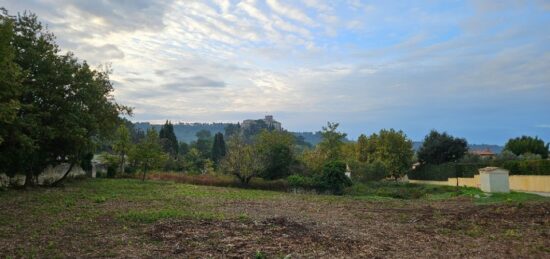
<point>290,12</point>
<point>199,59</point>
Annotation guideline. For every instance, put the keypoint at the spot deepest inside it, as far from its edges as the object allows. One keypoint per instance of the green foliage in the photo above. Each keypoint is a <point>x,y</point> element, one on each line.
<point>313,160</point>
<point>242,160</point>
<point>232,129</point>
<point>168,139</point>
<point>362,148</point>
<point>276,151</point>
<point>526,144</point>
<point>148,153</point>
<point>183,148</point>
<point>300,181</point>
<point>366,172</point>
<point>439,148</point>
<point>86,162</point>
<point>65,107</point>
<point>10,76</point>
<point>218,148</point>
<point>334,177</point>
<point>398,190</point>
<point>255,128</point>
<point>194,161</point>
<point>332,141</point>
<point>394,150</point>
<point>204,143</point>
<point>449,170</point>
<point>122,146</point>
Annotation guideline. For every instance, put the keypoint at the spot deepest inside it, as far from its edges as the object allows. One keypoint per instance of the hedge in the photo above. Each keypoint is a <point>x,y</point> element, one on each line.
<point>450,170</point>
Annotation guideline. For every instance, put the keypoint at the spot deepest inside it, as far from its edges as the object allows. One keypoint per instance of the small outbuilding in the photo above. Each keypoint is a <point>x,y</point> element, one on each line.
<point>494,179</point>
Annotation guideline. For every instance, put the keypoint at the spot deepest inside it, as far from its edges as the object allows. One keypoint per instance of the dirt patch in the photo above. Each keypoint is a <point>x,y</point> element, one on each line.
<point>244,238</point>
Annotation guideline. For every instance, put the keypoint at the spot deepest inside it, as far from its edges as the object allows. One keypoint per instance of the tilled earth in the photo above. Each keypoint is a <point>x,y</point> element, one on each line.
<point>455,229</point>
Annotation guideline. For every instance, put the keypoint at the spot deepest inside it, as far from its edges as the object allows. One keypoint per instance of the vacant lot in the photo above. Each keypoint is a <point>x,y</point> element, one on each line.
<point>128,218</point>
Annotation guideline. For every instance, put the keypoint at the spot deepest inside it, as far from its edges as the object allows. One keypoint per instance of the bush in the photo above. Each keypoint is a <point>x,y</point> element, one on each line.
<point>219,180</point>
<point>298,181</point>
<point>366,172</point>
<point>334,178</point>
<point>528,167</point>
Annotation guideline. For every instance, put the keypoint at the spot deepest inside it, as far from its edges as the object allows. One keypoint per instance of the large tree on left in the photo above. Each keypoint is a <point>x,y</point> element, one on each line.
<point>64,106</point>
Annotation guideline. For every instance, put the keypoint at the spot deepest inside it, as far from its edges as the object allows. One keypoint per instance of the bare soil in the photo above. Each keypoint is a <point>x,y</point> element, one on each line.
<point>455,229</point>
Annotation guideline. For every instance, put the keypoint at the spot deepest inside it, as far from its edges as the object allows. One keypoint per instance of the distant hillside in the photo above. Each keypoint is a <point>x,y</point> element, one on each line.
<point>494,148</point>
<point>186,132</point>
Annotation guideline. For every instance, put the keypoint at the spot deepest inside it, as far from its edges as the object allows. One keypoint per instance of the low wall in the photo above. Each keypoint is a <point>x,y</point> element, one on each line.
<point>524,183</point>
<point>530,183</point>
<point>48,176</point>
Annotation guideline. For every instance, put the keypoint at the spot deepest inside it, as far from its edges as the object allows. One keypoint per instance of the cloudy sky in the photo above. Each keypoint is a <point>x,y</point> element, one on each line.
<point>476,69</point>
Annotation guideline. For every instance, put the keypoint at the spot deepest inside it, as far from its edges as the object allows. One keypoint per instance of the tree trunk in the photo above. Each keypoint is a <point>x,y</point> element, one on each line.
<point>143,178</point>
<point>28,179</point>
<point>122,163</point>
<point>56,183</point>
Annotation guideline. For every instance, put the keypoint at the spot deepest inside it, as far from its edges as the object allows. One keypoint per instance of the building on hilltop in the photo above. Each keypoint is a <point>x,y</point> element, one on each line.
<point>268,120</point>
<point>485,153</point>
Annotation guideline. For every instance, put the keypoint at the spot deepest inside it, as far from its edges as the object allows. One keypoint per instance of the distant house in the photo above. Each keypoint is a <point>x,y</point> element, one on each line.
<point>268,120</point>
<point>484,153</point>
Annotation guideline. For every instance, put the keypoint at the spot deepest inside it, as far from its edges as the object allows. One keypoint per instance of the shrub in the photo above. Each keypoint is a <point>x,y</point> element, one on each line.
<point>219,180</point>
<point>365,172</point>
<point>334,178</point>
<point>299,181</point>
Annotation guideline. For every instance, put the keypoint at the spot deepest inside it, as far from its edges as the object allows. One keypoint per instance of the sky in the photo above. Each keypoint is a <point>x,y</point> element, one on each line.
<point>476,69</point>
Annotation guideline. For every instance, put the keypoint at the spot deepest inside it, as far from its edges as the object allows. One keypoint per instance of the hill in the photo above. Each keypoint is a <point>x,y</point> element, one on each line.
<point>186,132</point>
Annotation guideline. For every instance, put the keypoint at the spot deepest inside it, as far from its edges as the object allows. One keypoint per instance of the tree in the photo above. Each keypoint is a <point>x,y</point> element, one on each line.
<point>148,153</point>
<point>526,144</point>
<point>242,160</point>
<point>65,107</point>
<point>439,148</point>
<point>10,76</point>
<point>276,151</point>
<point>362,148</point>
<point>183,148</point>
<point>232,129</point>
<point>122,145</point>
<point>332,141</point>
<point>194,161</point>
<point>334,177</point>
<point>168,139</point>
<point>394,150</point>
<point>203,143</point>
<point>218,148</point>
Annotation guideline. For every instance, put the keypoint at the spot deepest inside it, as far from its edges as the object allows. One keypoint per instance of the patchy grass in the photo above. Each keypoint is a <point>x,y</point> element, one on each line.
<point>130,218</point>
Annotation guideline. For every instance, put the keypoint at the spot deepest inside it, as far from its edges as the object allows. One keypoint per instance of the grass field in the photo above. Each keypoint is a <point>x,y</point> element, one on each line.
<point>130,218</point>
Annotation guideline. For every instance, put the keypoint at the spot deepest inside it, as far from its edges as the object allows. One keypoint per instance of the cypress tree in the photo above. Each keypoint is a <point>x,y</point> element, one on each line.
<point>218,148</point>
<point>168,139</point>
